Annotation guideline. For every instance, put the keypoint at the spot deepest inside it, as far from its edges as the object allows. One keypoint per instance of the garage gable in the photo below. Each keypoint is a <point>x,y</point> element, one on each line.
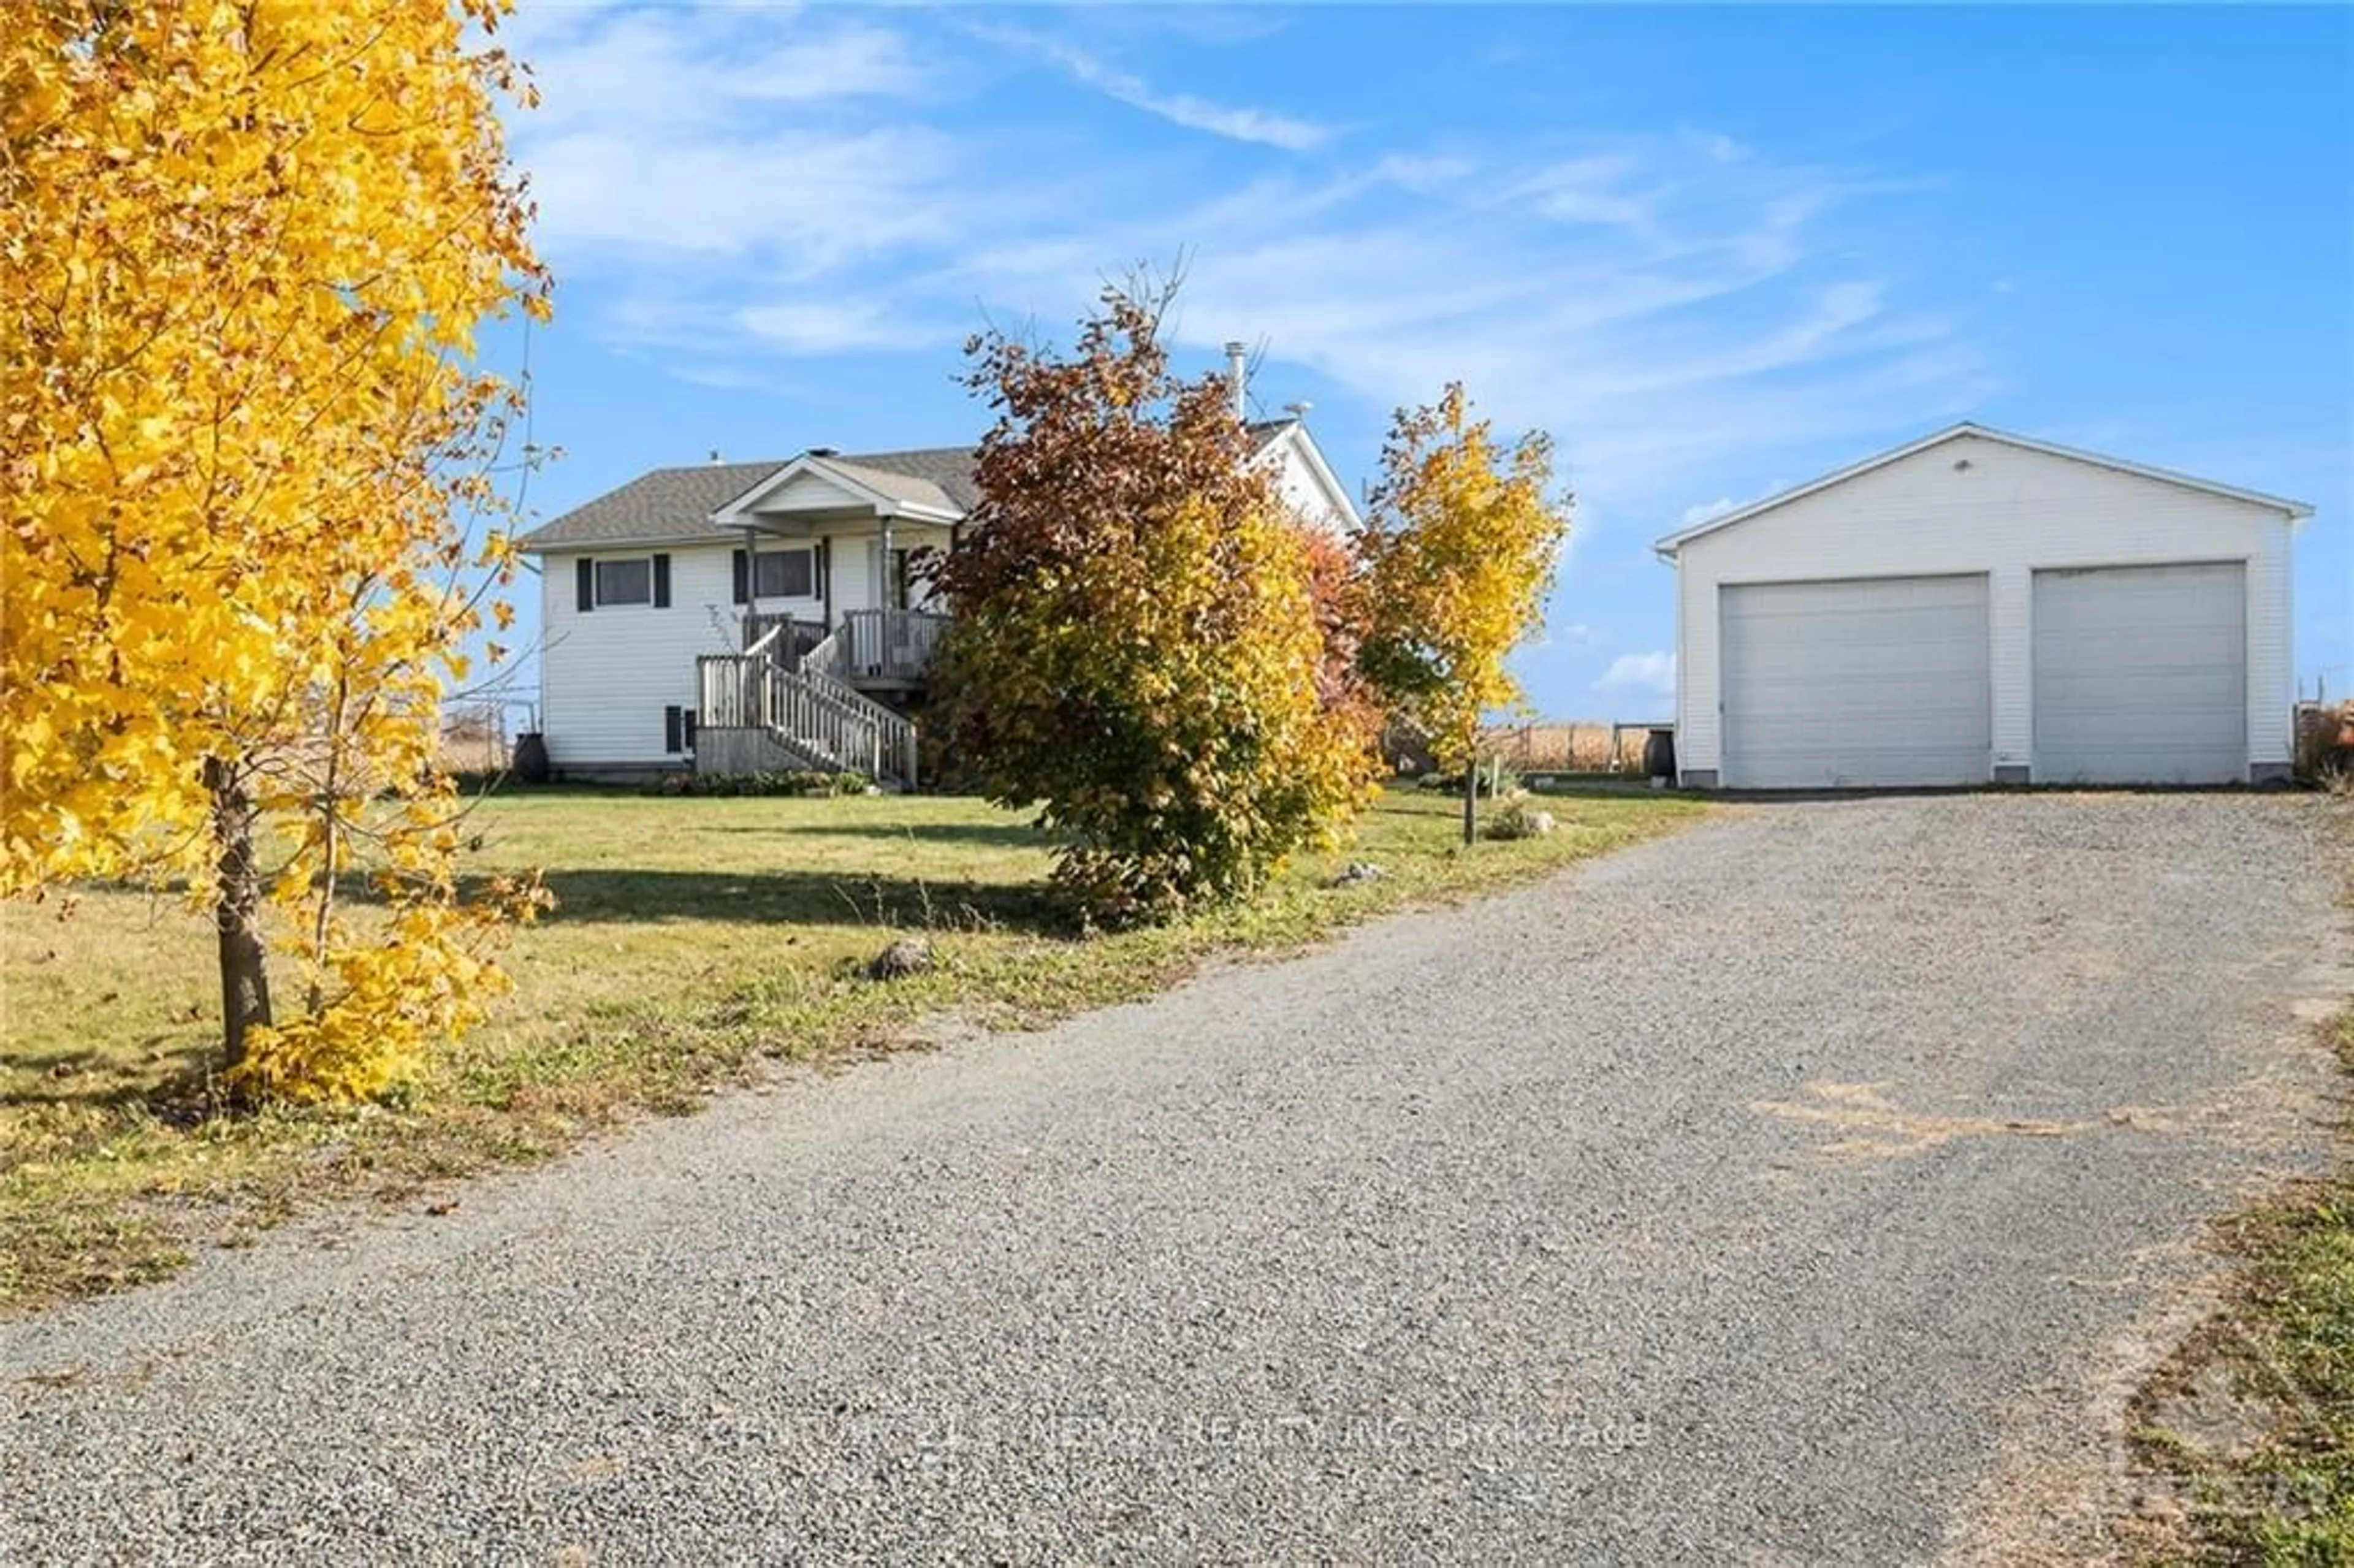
<point>1894,484</point>
<point>1772,686</point>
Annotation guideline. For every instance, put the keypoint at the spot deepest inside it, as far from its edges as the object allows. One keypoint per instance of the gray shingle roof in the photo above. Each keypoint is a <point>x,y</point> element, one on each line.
<point>946,470</point>
<point>673,505</point>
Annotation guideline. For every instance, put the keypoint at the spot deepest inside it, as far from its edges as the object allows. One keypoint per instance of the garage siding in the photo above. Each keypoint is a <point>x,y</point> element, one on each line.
<point>1977,505</point>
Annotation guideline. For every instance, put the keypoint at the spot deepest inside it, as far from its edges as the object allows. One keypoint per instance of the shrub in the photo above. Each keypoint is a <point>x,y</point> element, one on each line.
<point>1521,820</point>
<point>2325,753</point>
<point>1137,651</point>
<point>768,782</point>
<point>1446,783</point>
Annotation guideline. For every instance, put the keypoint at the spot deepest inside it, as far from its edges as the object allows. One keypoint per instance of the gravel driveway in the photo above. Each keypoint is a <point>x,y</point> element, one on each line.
<point>1758,1194</point>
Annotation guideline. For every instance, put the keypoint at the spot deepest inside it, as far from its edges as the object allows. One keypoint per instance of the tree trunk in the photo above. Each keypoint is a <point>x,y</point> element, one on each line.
<point>1470,799</point>
<point>237,912</point>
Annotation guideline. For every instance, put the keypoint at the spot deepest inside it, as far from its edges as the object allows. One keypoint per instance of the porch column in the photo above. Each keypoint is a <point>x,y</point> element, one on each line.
<point>751,587</point>
<point>883,569</point>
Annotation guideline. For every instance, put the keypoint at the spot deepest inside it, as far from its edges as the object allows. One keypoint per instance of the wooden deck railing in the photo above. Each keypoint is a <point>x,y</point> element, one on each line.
<point>889,644</point>
<point>808,710</point>
<point>785,636</point>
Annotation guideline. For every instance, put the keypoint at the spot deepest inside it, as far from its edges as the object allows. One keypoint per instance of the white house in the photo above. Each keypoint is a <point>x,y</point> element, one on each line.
<point>735,616</point>
<point>1976,608</point>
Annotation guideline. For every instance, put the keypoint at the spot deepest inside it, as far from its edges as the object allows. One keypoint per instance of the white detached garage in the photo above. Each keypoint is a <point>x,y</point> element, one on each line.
<point>1980,608</point>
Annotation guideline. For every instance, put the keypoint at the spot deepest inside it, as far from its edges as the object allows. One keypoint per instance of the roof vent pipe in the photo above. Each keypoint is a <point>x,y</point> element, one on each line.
<point>1238,378</point>
<point>715,455</point>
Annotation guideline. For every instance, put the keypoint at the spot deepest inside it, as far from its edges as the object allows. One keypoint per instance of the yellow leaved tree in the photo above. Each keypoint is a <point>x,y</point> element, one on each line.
<point>1457,557</point>
<point>245,449</point>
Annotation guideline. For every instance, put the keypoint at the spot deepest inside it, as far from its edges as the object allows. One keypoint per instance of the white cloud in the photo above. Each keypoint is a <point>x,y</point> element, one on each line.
<point>1673,309</point>
<point>1598,187</point>
<point>1716,146</point>
<point>808,199</point>
<point>1650,675</point>
<point>833,326</point>
<point>1700,512</point>
<point>725,378</point>
<point>1239,125</point>
<point>695,67</point>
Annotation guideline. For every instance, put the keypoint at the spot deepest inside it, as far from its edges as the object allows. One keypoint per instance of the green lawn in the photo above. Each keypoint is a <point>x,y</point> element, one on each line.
<point>692,939</point>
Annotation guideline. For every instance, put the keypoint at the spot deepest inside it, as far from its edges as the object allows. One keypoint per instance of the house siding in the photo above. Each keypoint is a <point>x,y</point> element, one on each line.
<point>2008,513</point>
<point>1302,489</point>
<point>606,676</point>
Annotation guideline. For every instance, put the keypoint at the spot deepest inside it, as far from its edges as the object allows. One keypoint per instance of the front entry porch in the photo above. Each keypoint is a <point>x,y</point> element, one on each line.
<point>878,650</point>
<point>838,633</point>
<point>799,697</point>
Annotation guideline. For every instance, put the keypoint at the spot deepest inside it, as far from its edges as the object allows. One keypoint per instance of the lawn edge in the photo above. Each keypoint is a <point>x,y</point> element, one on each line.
<point>384,1160</point>
<point>2286,1493</point>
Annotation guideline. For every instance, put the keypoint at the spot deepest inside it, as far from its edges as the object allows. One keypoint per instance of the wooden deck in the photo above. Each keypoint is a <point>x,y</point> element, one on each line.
<point>890,649</point>
<point>885,650</point>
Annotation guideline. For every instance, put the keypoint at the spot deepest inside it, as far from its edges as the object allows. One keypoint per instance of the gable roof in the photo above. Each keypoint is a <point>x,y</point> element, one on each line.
<point>1267,433</point>
<point>654,508</point>
<point>939,476</point>
<point>911,483</point>
<point>1671,543</point>
<point>675,506</point>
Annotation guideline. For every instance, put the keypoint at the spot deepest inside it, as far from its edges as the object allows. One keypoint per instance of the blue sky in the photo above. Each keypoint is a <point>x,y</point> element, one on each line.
<point>1715,252</point>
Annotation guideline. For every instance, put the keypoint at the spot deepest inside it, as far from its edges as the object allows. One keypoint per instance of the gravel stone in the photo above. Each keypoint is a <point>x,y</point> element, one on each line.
<point>1737,1197</point>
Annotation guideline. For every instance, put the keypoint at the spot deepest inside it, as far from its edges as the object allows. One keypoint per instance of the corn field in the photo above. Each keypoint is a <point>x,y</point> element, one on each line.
<point>475,740</point>
<point>1575,746</point>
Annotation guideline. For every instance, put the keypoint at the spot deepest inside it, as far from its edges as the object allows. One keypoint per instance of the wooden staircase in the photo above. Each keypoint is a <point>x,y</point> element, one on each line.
<point>802,712</point>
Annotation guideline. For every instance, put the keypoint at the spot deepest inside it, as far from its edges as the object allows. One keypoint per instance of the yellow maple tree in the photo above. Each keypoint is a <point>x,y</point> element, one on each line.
<point>244,444</point>
<point>1458,555</point>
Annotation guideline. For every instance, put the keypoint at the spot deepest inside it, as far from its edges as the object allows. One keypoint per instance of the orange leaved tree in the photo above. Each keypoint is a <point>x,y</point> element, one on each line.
<point>1458,555</point>
<point>1137,648</point>
<point>244,251</point>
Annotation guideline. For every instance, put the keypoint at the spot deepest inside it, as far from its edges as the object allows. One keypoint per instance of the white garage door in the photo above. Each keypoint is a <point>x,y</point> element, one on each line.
<point>2141,675</point>
<point>1837,684</point>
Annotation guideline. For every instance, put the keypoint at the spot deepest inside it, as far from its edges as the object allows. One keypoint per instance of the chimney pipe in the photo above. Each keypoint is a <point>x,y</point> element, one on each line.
<point>1238,377</point>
